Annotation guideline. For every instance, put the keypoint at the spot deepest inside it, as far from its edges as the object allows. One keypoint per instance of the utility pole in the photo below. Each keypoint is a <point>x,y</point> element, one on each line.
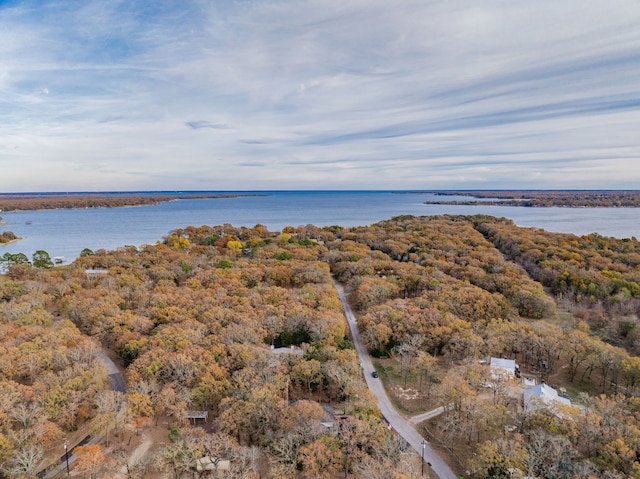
<point>424,445</point>
<point>66,455</point>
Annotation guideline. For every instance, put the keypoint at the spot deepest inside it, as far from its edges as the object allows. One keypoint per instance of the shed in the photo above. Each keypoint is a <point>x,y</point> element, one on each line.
<point>193,415</point>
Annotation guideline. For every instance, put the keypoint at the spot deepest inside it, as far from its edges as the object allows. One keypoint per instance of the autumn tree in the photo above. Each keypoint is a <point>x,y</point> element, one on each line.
<point>319,458</point>
<point>90,459</point>
<point>427,368</point>
<point>406,354</point>
<point>307,374</point>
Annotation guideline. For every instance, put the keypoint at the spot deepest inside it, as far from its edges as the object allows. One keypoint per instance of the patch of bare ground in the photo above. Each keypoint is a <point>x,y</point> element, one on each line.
<point>406,395</point>
<point>406,391</point>
<point>139,454</point>
<point>158,439</point>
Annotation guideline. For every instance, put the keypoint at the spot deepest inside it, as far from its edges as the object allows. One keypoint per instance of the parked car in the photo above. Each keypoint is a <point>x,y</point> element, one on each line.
<point>374,374</point>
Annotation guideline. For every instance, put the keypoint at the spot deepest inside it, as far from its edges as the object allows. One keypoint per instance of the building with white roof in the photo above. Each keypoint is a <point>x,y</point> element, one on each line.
<point>542,396</point>
<point>504,368</point>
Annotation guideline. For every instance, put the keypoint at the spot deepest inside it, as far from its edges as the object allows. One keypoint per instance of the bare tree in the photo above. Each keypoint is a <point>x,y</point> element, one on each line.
<point>24,461</point>
<point>372,467</point>
<point>111,410</point>
<point>406,353</point>
<point>548,455</point>
<point>25,413</point>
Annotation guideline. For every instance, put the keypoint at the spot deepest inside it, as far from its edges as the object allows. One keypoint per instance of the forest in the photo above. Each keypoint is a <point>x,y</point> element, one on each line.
<point>246,324</point>
<point>547,198</point>
<point>24,202</point>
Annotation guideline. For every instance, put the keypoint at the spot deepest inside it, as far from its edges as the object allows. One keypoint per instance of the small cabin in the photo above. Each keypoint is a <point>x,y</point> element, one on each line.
<point>193,416</point>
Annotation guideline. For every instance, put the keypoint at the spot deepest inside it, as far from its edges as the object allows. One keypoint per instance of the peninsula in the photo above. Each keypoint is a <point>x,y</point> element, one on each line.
<point>24,202</point>
<point>545,198</point>
<point>7,237</point>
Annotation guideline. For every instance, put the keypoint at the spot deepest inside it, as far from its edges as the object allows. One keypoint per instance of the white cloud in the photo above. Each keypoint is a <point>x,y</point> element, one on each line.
<point>331,94</point>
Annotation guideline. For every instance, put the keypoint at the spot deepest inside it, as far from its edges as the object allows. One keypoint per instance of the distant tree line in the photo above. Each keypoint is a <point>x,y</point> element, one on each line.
<point>574,199</point>
<point>45,202</point>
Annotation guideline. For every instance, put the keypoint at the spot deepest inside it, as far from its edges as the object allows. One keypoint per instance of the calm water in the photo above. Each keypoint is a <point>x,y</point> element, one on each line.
<point>66,232</point>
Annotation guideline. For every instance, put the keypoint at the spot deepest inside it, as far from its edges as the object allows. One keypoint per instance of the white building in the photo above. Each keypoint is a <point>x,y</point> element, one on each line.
<point>504,368</point>
<point>542,396</point>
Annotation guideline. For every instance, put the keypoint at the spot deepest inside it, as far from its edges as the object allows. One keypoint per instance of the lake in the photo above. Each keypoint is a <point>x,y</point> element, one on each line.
<point>66,233</point>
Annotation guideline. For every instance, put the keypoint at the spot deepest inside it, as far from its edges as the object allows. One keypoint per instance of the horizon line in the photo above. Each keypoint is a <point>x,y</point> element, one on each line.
<point>417,191</point>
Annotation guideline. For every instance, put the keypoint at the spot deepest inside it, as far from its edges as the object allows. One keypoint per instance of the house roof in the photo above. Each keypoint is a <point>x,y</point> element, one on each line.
<point>509,364</point>
<point>543,395</point>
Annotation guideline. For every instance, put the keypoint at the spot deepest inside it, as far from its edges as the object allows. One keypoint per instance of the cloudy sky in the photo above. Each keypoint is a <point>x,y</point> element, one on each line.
<point>331,94</point>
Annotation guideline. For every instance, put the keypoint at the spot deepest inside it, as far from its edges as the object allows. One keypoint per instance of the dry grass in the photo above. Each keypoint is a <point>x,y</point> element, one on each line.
<point>406,395</point>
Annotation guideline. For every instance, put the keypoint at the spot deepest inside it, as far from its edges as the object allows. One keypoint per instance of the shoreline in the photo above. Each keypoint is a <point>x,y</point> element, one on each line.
<point>530,205</point>
<point>25,203</point>
<point>544,199</point>
<point>11,241</point>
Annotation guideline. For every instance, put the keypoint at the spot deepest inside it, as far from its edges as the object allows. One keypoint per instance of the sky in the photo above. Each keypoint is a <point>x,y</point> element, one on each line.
<point>333,94</point>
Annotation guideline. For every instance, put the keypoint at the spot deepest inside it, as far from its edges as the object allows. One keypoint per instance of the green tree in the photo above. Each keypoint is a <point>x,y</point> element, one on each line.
<point>224,264</point>
<point>18,258</point>
<point>41,259</point>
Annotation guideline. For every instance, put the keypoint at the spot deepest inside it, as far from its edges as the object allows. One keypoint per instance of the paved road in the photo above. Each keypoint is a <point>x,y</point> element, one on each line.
<point>399,423</point>
<point>115,378</point>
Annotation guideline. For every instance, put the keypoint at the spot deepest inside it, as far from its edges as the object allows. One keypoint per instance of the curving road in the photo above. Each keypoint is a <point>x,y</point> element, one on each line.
<point>115,378</point>
<point>399,423</point>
